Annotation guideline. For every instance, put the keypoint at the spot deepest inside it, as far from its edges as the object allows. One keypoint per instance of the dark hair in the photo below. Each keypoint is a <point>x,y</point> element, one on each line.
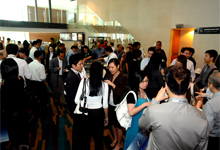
<point>95,79</point>
<point>123,47</point>
<point>35,42</point>
<point>119,45</point>
<point>8,39</point>
<point>75,58</point>
<point>192,50</point>
<point>111,43</point>
<point>212,53</point>
<point>136,44</point>
<point>19,41</point>
<point>217,63</point>
<point>153,65</point>
<point>151,49</point>
<point>136,54</point>
<point>9,69</point>
<point>52,39</point>
<point>86,47</point>
<point>26,44</point>
<point>114,60</point>
<point>24,51</point>
<point>39,41</point>
<point>58,42</point>
<point>159,42</point>
<point>185,49</point>
<point>175,74</point>
<point>75,47</point>
<point>51,46</point>
<point>182,59</point>
<point>130,44</point>
<point>109,49</point>
<point>82,42</point>
<point>1,46</point>
<point>12,49</point>
<point>62,44</point>
<point>138,78</point>
<point>59,52</point>
<point>37,54</point>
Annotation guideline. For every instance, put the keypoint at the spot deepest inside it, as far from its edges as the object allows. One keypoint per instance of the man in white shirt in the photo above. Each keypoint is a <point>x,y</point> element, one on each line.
<point>37,81</point>
<point>23,67</point>
<point>112,46</point>
<point>36,45</point>
<point>110,54</point>
<point>145,61</point>
<point>37,69</point>
<point>189,64</point>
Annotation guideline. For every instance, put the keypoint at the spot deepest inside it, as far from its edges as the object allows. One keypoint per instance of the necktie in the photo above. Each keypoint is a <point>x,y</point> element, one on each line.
<point>79,76</point>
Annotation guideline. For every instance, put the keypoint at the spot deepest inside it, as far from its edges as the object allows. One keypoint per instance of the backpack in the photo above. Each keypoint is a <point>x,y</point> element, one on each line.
<point>122,113</point>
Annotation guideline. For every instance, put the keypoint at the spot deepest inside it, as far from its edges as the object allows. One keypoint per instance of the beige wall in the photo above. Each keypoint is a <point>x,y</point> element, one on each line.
<point>152,20</point>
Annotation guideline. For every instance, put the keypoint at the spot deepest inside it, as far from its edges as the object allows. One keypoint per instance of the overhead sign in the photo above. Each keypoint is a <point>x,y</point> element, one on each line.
<point>207,30</point>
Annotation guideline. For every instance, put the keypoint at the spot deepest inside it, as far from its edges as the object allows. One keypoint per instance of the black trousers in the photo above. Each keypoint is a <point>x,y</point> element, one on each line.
<point>214,143</point>
<point>85,127</point>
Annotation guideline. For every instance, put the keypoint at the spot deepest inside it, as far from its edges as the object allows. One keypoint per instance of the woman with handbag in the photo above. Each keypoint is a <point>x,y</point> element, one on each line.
<point>135,109</point>
<point>117,82</point>
<point>14,105</point>
<point>94,92</point>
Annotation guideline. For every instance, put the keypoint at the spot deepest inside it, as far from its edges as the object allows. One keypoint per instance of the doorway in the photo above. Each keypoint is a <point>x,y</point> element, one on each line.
<point>179,38</point>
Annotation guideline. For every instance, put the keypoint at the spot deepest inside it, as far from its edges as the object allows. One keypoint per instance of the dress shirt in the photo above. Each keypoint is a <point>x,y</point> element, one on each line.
<point>68,54</point>
<point>76,72</point>
<point>112,55</point>
<point>113,48</point>
<point>144,62</point>
<point>33,49</point>
<point>175,125</point>
<point>189,66</point>
<point>23,68</point>
<point>94,102</point>
<point>212,112</point>
<point>51,55</point>
<point>83,73</point>
<point>37,70</point>
<point>60,65</point>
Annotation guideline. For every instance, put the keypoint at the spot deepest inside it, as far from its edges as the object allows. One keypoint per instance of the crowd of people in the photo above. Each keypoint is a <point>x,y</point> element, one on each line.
<point>173,106</point>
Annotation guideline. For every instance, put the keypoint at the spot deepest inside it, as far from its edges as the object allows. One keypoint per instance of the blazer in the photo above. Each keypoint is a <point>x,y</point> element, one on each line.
<point>47,59</point>
<point>121,83</point>
<point>71,87</point>
<point>53,67</point>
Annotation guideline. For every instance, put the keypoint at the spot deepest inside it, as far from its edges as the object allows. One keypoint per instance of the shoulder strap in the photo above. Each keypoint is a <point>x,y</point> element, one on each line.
<point>210,73</point>
<point>135,97</point>
<point>192,90</point>
<point>83,89</point>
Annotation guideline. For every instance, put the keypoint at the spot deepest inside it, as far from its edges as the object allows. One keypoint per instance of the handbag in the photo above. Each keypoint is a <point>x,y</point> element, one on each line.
<point>122,113</point>
<point>82,106</point>
<point>193,100</point>
<point>140,141</point>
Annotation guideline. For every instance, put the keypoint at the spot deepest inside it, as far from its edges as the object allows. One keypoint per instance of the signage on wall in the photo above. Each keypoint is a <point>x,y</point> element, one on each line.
<point>207,30</point>
<point>72,36</point>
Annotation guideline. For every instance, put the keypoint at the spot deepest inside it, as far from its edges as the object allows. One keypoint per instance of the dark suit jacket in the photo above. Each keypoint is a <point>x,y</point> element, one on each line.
<point>53,67</point>
<point>72,83</point>
<point>121,83</point>
<point>47,59</point>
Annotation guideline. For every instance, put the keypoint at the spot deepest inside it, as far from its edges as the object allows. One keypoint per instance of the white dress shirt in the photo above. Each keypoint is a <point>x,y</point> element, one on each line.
<point>83,73</point>
<point>51,55</point>
<point>33,49</point>
<point>112,55</point>
<point>189,66</point>
<point>60,65</point>
<point>94,102</point>
<point>37,70</point>
<point>144,62</point>
<point>23,68</point>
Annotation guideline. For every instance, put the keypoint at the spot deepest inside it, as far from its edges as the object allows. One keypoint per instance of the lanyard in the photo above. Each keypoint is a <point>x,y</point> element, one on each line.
<point>177,100</point>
